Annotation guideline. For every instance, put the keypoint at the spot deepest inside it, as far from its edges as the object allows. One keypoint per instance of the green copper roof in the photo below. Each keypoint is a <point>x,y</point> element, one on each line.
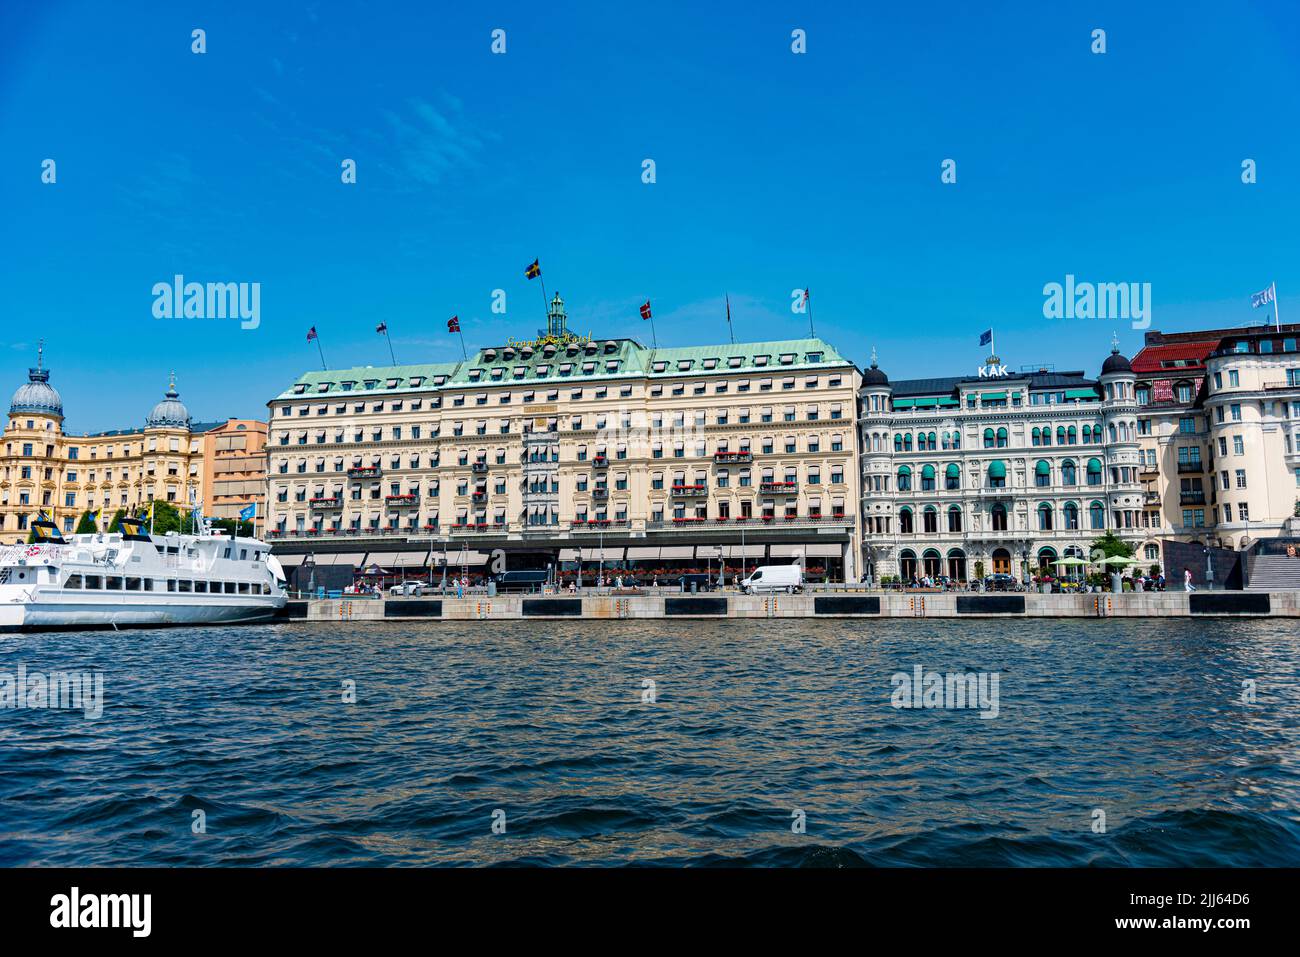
<point>426,373</point>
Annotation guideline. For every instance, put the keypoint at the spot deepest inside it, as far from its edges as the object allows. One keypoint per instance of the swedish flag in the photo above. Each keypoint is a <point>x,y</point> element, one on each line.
<point>533,271</point>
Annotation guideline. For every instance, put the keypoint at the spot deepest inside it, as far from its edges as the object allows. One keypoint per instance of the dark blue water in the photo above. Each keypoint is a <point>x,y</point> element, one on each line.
<point>753,721</point>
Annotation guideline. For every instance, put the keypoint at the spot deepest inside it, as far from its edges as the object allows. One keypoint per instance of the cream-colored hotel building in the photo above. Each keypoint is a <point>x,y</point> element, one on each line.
<point>574,449</point>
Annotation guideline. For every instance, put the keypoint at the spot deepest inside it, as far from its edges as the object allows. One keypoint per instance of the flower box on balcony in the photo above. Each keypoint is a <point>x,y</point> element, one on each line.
<point>334,502</point>
<point>369,471</point>
<point>739,457</point>
<point>778,486</point>
<point>479,468</point>
<point>600,462</point>
<point>401,499</point>
<point>689,489</point>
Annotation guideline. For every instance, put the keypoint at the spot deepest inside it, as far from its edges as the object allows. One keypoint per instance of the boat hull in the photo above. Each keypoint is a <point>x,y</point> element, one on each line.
<point>133,612</point>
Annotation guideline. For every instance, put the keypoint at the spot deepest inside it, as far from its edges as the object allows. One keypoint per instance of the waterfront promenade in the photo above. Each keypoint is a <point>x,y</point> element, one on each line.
<point>1282,604</point>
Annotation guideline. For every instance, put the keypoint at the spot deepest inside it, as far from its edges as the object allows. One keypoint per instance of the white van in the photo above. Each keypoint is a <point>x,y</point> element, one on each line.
<point>772,578</point>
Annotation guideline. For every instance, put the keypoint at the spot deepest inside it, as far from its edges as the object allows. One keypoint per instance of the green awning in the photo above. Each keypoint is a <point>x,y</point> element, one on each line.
<point>903,403</point>
<point>996,396</point>
<point>1080,394</point>
<point>926,401</point>
<point>953,471</point>
<point>927,471</point>
<point>949,400</point>
<point>997,469</point>
<point>1042,468</point>
<point>905,470</point>
<point>1094,466</point>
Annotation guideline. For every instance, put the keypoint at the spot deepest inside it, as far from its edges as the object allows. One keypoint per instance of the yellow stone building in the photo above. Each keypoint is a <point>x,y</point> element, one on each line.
<point>44,468</point>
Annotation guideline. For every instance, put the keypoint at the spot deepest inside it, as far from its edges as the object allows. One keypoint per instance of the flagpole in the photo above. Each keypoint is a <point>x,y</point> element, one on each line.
<point>321,351</point>
<point>812,334</point>
<point>463,351</point>
<point>730,333</point>
<point>1276,321</point>
<point>389,339</point>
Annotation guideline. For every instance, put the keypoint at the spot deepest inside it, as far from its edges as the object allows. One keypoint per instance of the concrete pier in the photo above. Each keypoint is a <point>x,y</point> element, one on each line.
<point>845,605</point>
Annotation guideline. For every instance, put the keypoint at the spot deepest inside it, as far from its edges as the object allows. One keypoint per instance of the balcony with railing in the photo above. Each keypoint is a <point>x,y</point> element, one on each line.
<point>478,498</point>
<point>600,494</point>
<point>1194,467</point>
<point>365,472</point>
<point>324,503</point>
<point>400,501</point>
<point>476,528</point>
<point>733,458</point>
<point>600,462</point>
<point>690,491</point>
<point>778,488</point>
<point>1191,498</point>
<point>598,525</point>
<point>695,523</point>
<point>479,468</point>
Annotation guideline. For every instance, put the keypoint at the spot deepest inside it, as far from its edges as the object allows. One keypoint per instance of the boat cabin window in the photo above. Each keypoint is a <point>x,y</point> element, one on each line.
<point>133,584</point>
<point>171,584</point>
<point>243,554</point>
<point>148,584</point>
<point>201,586</point>
<point>243,588</point>
<point>113,582</point>
<point>74,581</point>
<point>230,588</point>
<point>186,585</point>
<point>94,581</point>
<point>226,552</point>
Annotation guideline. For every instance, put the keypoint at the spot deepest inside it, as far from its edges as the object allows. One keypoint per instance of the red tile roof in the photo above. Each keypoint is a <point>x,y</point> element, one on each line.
<point>1149,359</point>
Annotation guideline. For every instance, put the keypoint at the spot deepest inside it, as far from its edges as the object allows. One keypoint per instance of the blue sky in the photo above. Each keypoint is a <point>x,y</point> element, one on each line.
<point>774,171</point>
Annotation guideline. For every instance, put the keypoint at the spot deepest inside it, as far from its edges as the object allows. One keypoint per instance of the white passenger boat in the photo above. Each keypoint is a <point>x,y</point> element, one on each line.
<point>130,579</point>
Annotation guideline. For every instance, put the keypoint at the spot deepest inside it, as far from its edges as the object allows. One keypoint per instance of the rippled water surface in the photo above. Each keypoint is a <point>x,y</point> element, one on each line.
<point>753,721</point>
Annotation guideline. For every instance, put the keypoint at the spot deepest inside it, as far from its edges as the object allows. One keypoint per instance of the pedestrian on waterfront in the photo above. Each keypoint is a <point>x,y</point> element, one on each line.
<point>460,588</point>
<point>1187,580</point>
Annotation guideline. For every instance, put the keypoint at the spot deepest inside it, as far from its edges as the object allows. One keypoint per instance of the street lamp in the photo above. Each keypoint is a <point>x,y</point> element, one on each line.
<point>310,564</point>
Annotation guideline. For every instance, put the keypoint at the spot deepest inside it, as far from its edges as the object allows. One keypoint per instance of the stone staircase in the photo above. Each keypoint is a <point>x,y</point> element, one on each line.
<point>1274,573</point>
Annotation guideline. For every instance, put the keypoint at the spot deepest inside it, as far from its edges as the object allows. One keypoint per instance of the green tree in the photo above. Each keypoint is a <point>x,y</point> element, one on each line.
<point>85,524</point>
<point>1109,545</point>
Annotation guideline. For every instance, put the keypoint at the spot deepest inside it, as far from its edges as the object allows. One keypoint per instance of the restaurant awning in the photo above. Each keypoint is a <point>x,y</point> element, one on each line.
<point>994,396</point>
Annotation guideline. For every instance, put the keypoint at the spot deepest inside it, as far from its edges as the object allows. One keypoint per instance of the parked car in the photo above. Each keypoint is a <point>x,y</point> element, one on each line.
<point>773,578</point>
<point>407,589</point>
<point>1000,582</point>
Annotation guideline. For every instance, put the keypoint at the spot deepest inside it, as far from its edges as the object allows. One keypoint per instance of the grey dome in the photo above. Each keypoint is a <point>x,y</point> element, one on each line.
<point>170,413</point>
<point>1115,362</point>
<point>37,395</point>
<point>873,376</point>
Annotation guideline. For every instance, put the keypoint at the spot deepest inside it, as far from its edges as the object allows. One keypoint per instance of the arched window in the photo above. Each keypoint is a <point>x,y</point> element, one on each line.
<point>1042,474</point>
<point>1060,435</point>
<point>954,518</point>
<point>907,564</point>
<point>1094,471</point>
<point>1044,517</point>
<point>999,517</point>
<point>1047,435</point>
<point>907,442</point>
<point>927,478</point>
<point>904,478</point>
<point>1068,472</point>
<point>1036,437</point>
<point>898,443</point>
<point>1070,516</point>
<point>1002,438</point>
<point>997,474</point>
<point>952,477</point>
<point>930,520</point>
<point>1087,434</point>
<point>930,561</point>
<point>905,521</point>
<point>1097,516</point>
<point>1071,436</point>
<point>988,438</point>
<point>933,442</point>
<point>956,440</point>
